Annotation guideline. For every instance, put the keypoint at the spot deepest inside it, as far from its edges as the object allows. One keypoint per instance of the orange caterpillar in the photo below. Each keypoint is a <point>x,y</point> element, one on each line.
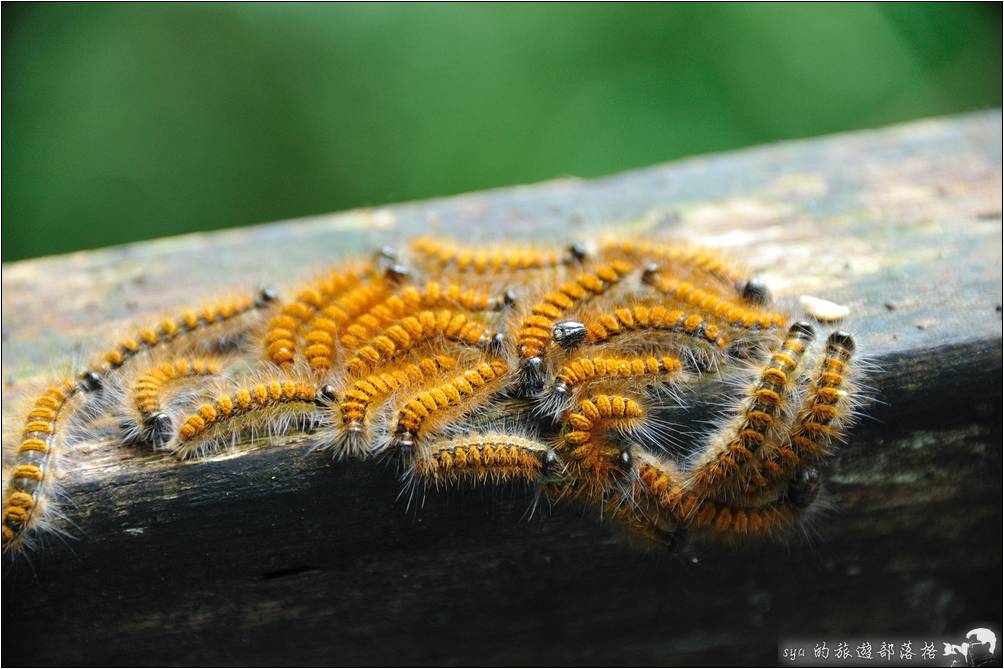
<point>586,446</point>
<point>146,420</point>
<point>725,468</point>
<point>214,323</point>
<point>30,478</point>
<point>323,332</point>
<point>359,400</point>
<point>437,403</point>
<point>823,417</point>
<point>411,300</point>
<point>444,255</point>
<point>704,341</point>
<point>280,340</point>
<point>583,371</point>
<point>723,275</point>
<point>263,408</point>
<point>423,357</point>
<point>479,458</point>
<point>412,331</point>
<point>726,312</point>
<point>538,327</point>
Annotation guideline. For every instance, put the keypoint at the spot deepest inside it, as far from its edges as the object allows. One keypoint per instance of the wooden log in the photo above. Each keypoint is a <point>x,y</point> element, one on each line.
<point>281,557</point>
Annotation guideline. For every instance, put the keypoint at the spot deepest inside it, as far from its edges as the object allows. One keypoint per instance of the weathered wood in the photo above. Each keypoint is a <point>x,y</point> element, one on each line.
<point>282,557</point>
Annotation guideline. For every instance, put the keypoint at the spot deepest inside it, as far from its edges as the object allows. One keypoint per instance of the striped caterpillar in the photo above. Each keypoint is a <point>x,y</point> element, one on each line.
<point>546,366</point>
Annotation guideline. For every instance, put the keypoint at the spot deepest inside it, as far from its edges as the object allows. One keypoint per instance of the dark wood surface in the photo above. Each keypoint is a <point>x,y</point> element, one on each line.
<point>281,557</point>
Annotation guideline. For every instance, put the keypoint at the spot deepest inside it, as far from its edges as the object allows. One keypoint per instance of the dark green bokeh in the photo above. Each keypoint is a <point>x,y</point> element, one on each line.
<point>125,122</point>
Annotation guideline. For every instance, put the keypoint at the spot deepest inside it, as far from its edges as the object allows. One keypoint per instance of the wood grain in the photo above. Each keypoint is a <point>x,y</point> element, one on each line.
<point>281,557</point>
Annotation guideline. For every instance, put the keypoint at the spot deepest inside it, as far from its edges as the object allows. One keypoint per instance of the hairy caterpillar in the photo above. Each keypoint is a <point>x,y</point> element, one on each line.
<point>724,468</point>
<point>478,458</point>
<point>216,323</point>
<point>423,355</point>
<point>26,493</point>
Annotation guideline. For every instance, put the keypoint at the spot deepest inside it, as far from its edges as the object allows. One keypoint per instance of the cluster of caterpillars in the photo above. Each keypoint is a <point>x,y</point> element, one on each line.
<point>483,365</point>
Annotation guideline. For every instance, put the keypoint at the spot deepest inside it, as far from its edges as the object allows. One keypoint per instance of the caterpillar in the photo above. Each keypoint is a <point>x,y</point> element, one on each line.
<point>411,331</point>
<point>429,359</point>
<point>446,255</point>
<point>30,480</point>
<point>324,331</point>
<point>703,344</point>
<point>432,406</point>
<point>477,458</point>
<point>213,323</point>
<point>586,445</point>
<point>145,419</point>
<point>269,407</point>
<point>539,327</point>
<point>721,274</point>
<point>359,400</point>
<point>586,370</point>
<point>725,467</point>
<point>822,418</point>
<point>726,312</point>
<point>279,343</point>
<point>432,296</point>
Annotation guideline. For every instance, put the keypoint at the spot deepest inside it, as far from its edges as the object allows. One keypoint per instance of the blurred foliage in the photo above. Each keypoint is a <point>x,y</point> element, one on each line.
<point>127,121</point>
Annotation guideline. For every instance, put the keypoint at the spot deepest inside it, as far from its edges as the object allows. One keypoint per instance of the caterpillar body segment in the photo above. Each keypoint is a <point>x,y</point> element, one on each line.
<point>727,467</point>
<point>480,458</point>
<point>268,408</point>
<point>583,371</point>
<point>411,300</point>
<point>365,395</point>
<point>411,331</point>
<point>146,419</point>
<point>728,313</point>
<point>432,408</point>
<point>445,256</point>
<point>214,323</point>
<point>279,343</point>
<point>538,329</point>
<point>29,481</point>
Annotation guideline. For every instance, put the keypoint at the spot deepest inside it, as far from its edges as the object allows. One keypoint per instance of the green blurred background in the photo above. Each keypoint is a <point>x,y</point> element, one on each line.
<point>125,122</point>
